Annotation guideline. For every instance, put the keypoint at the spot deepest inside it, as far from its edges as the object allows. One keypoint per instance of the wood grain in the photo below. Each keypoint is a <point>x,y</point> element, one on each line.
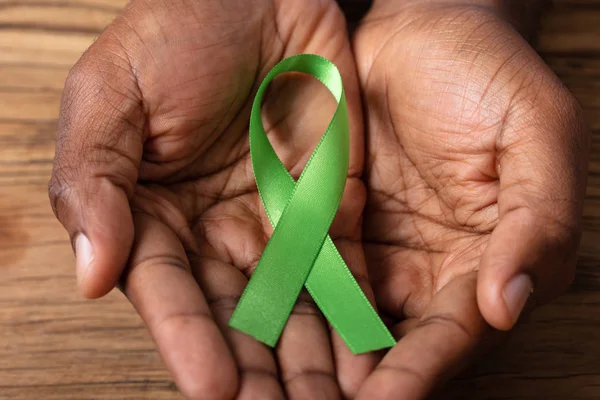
<point>54,345</point>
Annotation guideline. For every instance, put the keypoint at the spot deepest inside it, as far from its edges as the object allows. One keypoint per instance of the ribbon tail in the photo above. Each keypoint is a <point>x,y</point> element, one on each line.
<point>344,304</point>
<point>300,252</point>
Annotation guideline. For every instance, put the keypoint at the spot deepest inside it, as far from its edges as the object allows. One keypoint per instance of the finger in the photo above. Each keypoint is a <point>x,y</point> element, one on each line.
<point>304,354</point>
<point>162,289</point>
<point>223,284</point>
<point>303,351</point>
<point>542,161</point>
<point>352,370</point>
<point>444,337</point>
<point>98,151</point>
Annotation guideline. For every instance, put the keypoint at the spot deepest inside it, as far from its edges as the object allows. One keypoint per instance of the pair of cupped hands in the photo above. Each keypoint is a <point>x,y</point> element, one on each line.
<point>461,210</point>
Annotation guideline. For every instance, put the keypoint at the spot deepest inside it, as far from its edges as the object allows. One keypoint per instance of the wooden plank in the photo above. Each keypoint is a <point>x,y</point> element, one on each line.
<point>114,5</point>
<point>56,16</point>
<point>554,355</point>
<point>571,27</point>
<point>54,345</point>
<point>38,47</point>
<point>30,78</point>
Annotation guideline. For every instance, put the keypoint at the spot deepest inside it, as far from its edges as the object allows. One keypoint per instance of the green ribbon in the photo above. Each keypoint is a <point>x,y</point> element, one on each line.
<point>300,252</point>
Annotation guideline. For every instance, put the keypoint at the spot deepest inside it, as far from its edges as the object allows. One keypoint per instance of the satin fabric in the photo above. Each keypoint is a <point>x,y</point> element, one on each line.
<point>300,251</point>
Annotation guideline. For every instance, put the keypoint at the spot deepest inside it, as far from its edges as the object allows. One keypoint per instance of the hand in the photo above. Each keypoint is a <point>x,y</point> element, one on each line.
<point>153,181</point>
<point>475,169</point>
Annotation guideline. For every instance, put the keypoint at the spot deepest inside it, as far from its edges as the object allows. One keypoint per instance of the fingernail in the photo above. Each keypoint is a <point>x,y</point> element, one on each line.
<point>84,254</point>
<point>515,293</point>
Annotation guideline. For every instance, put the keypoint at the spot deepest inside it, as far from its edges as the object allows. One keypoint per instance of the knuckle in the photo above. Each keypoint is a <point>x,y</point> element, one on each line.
<point>568,105</point>
<point>78,76</point>
<point>406,372</point>
<point>223,303</point>
<point>577,131</point>
<point>450,323</point>
<point>567,236</point>
<point>59,191</point>
<point>80,91</point>
<point>97,107</point>
<point>99,82</point>
<point>559,230</point>
<point>139,267</point>
<point>568,119</point>
<point>103,79</point>
<point>562,232</point>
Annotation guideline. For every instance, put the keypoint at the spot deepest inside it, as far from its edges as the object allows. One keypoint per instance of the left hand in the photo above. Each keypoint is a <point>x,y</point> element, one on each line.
<point>153,181</point>
<point>475,171</point>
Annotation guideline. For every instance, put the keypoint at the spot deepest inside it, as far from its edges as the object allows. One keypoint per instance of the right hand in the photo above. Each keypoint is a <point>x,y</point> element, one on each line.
<point>153,182</point>
<point>475,171</point>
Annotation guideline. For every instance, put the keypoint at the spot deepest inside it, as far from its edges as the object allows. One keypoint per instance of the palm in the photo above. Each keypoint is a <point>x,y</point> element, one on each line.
<point>430,165</point>
<point>447,102</point>
<point>186,74</point>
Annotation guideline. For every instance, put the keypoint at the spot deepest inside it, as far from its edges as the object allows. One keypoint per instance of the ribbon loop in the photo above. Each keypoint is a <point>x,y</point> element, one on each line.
<point>300,252</point>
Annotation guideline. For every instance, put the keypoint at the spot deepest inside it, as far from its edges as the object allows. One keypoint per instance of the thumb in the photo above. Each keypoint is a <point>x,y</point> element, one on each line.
<point>528,260</point>
<point>542,162</point>
<point>98,152</point>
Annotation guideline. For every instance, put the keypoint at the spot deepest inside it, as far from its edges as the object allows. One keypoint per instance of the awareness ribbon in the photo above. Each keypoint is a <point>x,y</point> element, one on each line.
<point>300,252</point>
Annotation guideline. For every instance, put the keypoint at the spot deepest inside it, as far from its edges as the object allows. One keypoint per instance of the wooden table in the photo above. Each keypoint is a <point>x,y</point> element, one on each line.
<point>55,345</point>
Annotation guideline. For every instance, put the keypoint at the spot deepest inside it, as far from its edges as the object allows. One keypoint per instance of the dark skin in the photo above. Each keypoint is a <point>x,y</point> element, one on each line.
<point>467,175</point>
<point>475,172</point>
